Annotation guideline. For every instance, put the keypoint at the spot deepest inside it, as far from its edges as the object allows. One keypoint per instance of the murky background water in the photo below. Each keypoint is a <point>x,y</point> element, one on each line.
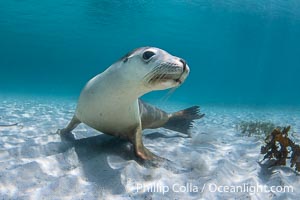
<point>244,52</point>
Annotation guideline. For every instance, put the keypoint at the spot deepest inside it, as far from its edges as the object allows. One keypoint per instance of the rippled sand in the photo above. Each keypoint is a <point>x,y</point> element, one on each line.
<point>36,164</point>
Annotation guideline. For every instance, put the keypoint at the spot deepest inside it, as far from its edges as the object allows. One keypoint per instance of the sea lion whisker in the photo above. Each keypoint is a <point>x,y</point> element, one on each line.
<point>160,77</point>
<point>169,94</point>
<point>155,75</point>
<point>149,75</point>
<point>159,74</point>
<point>163,72</point>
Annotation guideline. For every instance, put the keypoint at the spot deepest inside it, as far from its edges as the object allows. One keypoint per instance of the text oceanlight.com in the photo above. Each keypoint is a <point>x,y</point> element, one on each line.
<point>213,188</point>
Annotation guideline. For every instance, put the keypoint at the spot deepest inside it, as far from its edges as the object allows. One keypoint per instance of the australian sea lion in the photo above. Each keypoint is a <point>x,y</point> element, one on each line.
<point>110,101</point>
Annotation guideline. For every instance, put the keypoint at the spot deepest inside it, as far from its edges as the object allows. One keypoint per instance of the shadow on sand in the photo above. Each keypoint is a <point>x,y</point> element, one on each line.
<point>93,153</point>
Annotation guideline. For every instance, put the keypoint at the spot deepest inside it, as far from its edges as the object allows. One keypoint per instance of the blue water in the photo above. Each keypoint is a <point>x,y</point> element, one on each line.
<point>239,52</point>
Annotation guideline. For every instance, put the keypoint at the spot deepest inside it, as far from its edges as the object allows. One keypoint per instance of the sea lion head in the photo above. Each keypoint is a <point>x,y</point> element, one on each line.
<point>155,68</point>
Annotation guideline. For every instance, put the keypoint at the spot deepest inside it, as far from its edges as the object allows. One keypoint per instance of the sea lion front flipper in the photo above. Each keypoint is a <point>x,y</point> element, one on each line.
<point>140,150</point>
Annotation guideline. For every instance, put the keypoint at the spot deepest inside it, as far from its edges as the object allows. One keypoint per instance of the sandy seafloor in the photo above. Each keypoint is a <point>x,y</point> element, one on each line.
<point>36,164</point>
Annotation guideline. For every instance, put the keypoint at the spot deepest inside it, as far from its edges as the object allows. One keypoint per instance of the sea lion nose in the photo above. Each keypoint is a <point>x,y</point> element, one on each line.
<point>184,63</point>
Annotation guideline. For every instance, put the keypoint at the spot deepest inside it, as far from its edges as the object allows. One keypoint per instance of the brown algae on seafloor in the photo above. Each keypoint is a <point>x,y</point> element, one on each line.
<point>277,144</point>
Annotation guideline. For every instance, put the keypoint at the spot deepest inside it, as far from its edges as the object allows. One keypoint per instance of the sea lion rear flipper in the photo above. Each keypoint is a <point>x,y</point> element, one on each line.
<point>182,120</point>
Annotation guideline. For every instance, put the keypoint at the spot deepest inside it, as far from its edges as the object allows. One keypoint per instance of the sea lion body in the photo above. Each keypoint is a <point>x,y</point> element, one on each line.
<point>107,111</point>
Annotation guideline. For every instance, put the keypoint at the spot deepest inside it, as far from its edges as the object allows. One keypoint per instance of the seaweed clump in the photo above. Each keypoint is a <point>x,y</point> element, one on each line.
<point>277,144</point>
<point>256,128</point>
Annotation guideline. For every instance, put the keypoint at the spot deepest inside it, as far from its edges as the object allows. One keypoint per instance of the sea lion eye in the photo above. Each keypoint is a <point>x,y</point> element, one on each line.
<point>148,54</point>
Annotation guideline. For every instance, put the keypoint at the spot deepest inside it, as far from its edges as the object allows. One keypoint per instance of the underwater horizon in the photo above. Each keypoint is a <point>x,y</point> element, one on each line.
<point>239,52</point>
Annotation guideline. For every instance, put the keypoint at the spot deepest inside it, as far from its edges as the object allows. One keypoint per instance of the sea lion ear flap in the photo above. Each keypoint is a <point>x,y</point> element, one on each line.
<point>125,57</point>
<point>128,55</point>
